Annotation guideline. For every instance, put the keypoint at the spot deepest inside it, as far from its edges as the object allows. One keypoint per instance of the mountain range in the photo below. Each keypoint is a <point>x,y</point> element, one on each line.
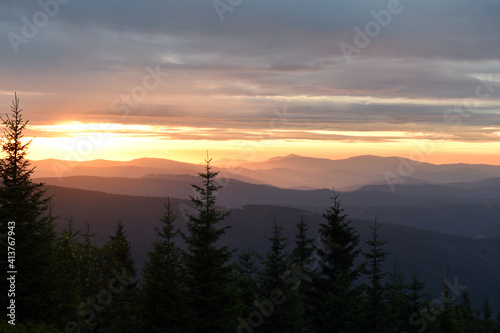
<point>291,171</point>
<point>468,209</point>
<point>437,218</point>
<point>432,255</point>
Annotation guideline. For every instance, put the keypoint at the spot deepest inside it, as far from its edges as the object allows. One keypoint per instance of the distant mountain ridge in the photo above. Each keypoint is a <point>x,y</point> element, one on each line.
<point>290,171</point>
<point>486,188</point>
<point>435,217</point>
<point>468,207</point>
<point>428,253</point>
<point>456,211</point>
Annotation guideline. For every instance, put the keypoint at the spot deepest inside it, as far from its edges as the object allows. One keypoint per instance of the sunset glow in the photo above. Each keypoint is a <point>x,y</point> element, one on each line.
<point>250,166</point>
<point>82,142</point>
<point>96,88</point>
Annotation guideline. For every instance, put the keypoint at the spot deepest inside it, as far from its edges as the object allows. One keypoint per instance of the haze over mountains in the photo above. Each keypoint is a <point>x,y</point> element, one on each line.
<point>474,262</point>
<point>469,207</point>
<point>286,172</point>
<point>435,216</point>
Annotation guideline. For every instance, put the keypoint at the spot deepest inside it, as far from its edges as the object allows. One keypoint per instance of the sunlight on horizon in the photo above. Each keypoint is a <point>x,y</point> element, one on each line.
<point>110,146</point>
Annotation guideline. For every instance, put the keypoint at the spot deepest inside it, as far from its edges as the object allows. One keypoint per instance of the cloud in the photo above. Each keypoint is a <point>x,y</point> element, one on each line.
<point>230,75</point>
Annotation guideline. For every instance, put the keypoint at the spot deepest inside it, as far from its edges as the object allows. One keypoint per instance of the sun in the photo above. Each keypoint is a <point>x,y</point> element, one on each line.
<point>77,128</point>
<point>74,140</point>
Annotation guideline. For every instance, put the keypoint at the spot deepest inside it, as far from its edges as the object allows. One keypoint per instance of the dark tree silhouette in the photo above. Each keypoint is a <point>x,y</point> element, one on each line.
<point>335,299</point>
<point>25,203</point>
<point>164,294</point>
<point>375,311</point>
<point>120,312</point>
<point>280,303</point>
<point>214,302</point>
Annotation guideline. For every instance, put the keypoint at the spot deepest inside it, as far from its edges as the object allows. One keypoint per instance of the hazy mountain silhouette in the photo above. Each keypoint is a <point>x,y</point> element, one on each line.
<point>487,188</point>
<point>431,219</point>
<point>467,211</point>
<point>286,172</point>
<point>105,168</point>
<point>474,262</point>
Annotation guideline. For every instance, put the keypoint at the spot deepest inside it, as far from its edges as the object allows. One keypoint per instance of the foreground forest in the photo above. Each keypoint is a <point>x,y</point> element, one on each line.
<point>65,282</point>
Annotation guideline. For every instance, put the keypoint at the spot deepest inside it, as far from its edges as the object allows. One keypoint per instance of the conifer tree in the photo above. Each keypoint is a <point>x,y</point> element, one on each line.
<point>302,253</point>
<point>376,307</point>
<point>118,252</point>
<point>302,261</point>
<point>335,298</point>
<point>248,278</point>
<point>465,319</point>
<point>284,313</point>
<point>92,282</point>
<point>416,303</point>
<point>446,320</point>
<point>68,272</point>
<point>398,307</point>
<point>487,324</point>
<point>485,309</point>
<point>120,310</point>
<point>92,264</point>
<point>211,279</point>
<point>26,203</point>
<point>164,296</point>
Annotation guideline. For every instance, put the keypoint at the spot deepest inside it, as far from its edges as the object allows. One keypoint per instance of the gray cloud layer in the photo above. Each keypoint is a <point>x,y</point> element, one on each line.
<point>426,59</point>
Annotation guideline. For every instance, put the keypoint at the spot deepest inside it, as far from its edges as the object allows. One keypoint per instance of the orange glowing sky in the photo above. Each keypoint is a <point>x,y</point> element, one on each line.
<point>173,80</point>
<point>87,141</point>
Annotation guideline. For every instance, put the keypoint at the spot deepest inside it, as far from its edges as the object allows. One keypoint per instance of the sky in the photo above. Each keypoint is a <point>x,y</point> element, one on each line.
<point>253,79</point>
